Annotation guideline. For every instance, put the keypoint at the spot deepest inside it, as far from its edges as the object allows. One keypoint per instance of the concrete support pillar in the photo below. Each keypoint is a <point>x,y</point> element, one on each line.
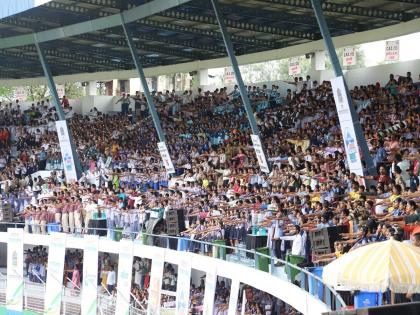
<point>91,88</point>
<point>203,77</point>
<point>317,60</point>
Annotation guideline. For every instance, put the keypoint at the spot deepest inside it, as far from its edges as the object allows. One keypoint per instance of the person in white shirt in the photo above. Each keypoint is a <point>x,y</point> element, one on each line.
<point>111,279</point>
<point>298,246</point>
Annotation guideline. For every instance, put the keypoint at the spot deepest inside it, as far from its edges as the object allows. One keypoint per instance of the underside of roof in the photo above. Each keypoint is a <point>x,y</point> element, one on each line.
<point>183,33</point>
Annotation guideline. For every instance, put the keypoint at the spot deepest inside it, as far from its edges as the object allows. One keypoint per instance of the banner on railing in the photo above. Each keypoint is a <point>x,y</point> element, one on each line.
<point>153,306</point>
<point>183,285</point>
<point>54,286</point>
<point>125,266</point>
<point>66,151</point>
<point>14,288</point>
<point>346,124</point>
<point>209,292</point>
<point>90,275</point>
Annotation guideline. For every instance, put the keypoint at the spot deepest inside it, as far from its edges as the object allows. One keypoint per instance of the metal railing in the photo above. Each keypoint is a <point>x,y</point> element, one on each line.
<point>308,280</point>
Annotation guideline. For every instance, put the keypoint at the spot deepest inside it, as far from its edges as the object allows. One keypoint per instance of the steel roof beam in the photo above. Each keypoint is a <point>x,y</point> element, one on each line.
<point>209,19</point>
<point>181,29</point>
<point>179,42</point>
<point>131,15</point>
<point>35,27</point>
<point>345,9</point>
<point>273,16</point>
<point>406,1</point>
<point>72,56</point>
<point>184,43</point>
<point>208,33</point>
<point>71,8</point>
<point>105,53</point>
<point>216,35</point>
<point>120,42</point>
<point>13,22</point>
<point>19,56</point>
<point>12,67</point>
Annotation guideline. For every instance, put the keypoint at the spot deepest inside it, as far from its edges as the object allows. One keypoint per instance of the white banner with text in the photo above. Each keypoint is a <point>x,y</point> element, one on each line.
<point>262,161</point>
<point>392,50</point>
<point>166,158</point>
<point>66,152</point>
<point>346,124</point>
<point>349,56</point>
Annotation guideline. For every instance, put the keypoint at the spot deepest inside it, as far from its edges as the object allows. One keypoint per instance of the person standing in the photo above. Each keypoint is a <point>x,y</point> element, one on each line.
<point>111,279</point>
<point>35,221</point>
<point>57,212</point>
<point>43,220</point>
<point>65,102</point>
<point>71,214</point>
<point>75,279</point>
<point>298,246</point>
<point>78,215</point>
<point>125,103</point>
<point>65,216</point>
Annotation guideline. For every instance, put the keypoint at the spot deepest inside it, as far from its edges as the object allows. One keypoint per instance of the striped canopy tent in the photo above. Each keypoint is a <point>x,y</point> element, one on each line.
<point>377,267</point>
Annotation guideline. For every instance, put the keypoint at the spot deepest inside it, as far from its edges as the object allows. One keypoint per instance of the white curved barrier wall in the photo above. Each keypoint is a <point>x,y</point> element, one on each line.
<point>284,290</point>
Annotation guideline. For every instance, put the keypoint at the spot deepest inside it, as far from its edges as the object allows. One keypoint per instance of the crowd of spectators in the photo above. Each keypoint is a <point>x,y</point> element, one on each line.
<point>36,264</point>
<point>218,183</point>
<point>169,278</point>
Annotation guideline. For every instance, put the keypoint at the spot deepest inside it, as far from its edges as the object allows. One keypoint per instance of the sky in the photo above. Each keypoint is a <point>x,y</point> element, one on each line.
<point>41,2</point>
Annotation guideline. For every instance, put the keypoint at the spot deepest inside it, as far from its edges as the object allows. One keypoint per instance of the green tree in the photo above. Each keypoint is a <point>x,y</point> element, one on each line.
<point>36,92</point>
<point>273,70</point>
<point>74,90</point>
<point>6,93</point>
<point>101,88</point>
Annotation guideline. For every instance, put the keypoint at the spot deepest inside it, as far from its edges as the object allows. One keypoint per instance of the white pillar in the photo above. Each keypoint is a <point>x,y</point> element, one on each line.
<point>317,66</point>
<point>203,76</point>
<point>91,88</point>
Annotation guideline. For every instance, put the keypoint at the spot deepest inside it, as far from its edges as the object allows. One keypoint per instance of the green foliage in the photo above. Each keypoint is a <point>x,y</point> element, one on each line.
<point>74,90</point>
<point>272,70</point>
<point>36,92</point>
<point>360,59</point>
<point>6,93</point>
